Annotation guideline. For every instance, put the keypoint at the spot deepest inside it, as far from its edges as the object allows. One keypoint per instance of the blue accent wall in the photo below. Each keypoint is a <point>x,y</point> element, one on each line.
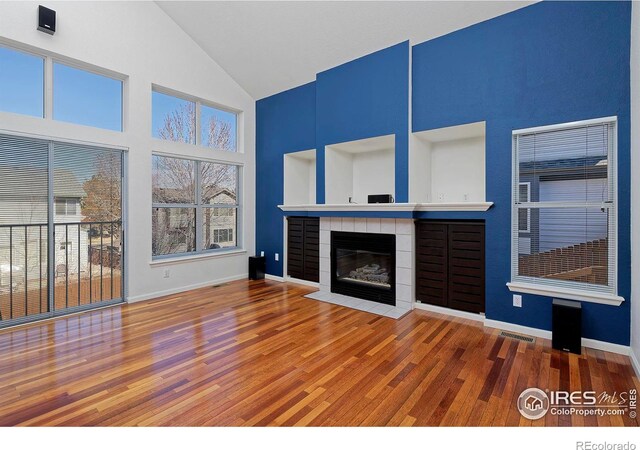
<point>551,62</point>
<point>285,123</point>
<point>365,98</point>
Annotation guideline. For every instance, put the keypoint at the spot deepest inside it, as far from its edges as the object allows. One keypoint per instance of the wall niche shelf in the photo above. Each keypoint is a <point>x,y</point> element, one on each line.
<point>447,166</point>
<point>358,168</point>
<point>300,177</point>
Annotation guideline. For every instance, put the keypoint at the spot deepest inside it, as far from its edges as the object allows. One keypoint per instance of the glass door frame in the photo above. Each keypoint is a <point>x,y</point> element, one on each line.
<point>51,242</point>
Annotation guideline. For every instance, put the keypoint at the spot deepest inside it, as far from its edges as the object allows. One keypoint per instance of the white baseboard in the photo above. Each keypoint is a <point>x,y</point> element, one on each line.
<point>303,282</point>
<point>449,312</point>
<point>635,362</point>
<point>545,334</point>
<point>152,295</point>
<point>268,276</point>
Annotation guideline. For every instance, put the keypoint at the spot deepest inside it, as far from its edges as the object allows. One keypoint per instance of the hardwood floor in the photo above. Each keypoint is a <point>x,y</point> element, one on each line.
<point>258,353</point>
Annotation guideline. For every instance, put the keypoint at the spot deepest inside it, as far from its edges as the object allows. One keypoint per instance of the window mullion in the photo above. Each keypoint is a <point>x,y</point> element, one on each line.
<point>48,88</point>
<point>198,125</point>
<point>199,220</point>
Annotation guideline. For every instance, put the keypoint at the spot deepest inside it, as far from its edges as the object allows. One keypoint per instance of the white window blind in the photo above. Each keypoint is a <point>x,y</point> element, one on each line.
<point>564,206</point>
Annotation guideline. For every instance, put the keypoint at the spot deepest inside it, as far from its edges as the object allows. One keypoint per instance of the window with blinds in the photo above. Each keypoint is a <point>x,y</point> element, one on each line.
<point>564,206</point>
<point>60,228</point>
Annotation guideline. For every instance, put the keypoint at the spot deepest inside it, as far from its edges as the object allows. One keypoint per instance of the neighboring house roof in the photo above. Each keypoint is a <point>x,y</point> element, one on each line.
<point>24,183</point>
<point>213,195</point>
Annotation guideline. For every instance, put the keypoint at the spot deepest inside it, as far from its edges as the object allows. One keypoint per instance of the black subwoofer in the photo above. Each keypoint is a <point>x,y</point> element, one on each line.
<point>257,266</point>
<point>567,326</point>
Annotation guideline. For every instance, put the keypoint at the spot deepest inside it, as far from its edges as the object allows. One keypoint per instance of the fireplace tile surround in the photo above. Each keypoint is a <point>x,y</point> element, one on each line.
<point>404,231</point>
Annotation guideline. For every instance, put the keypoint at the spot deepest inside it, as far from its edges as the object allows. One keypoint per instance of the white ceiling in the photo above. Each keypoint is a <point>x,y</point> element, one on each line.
<point>271,46</point>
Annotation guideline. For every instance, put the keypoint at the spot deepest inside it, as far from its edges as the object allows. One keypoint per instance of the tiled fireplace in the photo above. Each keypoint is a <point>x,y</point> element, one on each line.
<point>368,269</point>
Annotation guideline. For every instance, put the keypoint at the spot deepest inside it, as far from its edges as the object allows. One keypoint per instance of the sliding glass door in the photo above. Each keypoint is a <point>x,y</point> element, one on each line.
<point>61,246</point>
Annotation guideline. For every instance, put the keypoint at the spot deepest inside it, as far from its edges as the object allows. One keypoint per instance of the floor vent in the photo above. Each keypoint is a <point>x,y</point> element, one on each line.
<point>519,337</point>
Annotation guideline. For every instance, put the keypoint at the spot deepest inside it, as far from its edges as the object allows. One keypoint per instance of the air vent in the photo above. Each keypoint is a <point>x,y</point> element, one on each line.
<point>519,337</point>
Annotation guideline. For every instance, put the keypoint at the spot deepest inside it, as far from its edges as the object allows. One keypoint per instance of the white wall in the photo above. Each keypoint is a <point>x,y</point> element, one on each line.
<point>338,176</point>
<point>300,178</point>
<point>635,186</point>
<point>419,170</point>
<point>139,40</point>
<point>357,174</point>
<point>457,170</point>
<point>374,173</point>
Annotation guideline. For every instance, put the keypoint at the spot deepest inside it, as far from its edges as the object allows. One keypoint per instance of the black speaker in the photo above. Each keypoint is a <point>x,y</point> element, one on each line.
<point>566,328</point>
<point>46,20</point>
<point>380,198</point>
<point>257,267</point>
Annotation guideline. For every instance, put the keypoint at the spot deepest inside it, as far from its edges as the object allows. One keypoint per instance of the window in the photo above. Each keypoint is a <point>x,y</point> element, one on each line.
<point>86,98</point>
<point>176,119</point>
<point>218,128</point>
<point>195,206</point>
<point>66,206</point>
<point>564,209</point>
<point>173,118</point>
<point>22,81</point>
<point>225,235</point>
<point>78,96</point>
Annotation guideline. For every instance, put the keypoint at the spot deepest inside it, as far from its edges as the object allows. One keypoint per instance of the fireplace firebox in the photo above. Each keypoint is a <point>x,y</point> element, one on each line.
<point>363,266</point>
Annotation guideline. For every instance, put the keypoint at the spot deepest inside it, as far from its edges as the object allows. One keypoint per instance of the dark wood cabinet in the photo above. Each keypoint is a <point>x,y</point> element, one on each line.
<point>303,248</point>
<point>450,264</point>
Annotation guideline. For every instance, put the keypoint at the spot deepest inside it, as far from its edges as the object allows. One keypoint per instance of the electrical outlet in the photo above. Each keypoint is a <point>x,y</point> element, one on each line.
<point>466,197</point>
<point>167,273</point>
<point>277,256</point>
<point>517,301</point>
<point>261,253</point>
<point>441,196</point>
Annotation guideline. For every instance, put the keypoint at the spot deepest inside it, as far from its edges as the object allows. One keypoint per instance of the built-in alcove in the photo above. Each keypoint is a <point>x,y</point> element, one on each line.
<point>359,168</point>
<point>447,165</point>
<point>300,178</point>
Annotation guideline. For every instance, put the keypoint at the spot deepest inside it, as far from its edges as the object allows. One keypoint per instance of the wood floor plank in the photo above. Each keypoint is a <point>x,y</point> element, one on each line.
<point>258,353</point>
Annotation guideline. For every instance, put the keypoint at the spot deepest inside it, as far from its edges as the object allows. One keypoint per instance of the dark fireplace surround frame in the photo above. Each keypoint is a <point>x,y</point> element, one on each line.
<point>374,242</point>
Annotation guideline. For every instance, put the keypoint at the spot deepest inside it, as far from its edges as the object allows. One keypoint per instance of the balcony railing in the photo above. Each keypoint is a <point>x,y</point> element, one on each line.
<point>82,267</point>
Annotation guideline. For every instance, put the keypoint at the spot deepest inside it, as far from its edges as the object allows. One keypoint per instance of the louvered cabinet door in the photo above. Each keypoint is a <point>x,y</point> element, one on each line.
<point>431,263</point>
<point>295,247</point>
<point>466,267</point>
<point>450,264</point>
<point>303,248</point>
<point>311,252</point>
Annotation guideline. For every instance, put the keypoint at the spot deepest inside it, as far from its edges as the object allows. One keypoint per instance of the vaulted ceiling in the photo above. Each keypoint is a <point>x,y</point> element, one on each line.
<point>271,46</point>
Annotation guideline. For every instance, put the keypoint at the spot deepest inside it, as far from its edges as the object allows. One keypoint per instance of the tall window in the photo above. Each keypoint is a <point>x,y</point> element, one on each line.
<point>195,206</point>
<point>193,122</point>
<point>564,206</point>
